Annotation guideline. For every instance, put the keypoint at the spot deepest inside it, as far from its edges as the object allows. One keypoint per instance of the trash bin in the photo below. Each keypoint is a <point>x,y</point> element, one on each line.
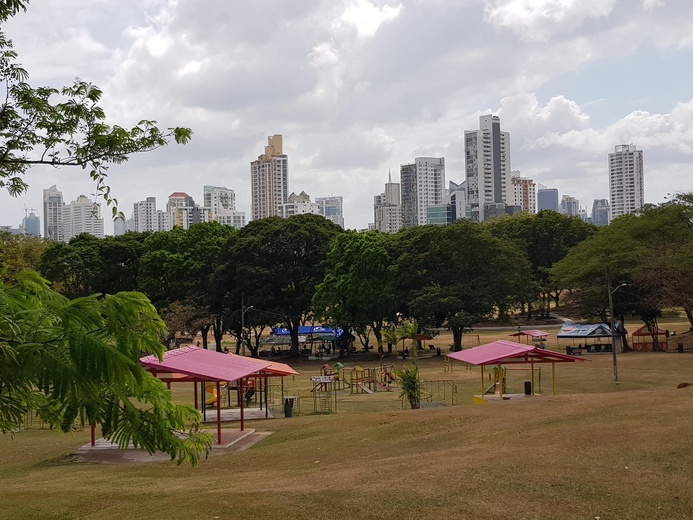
<point>289,407</point>
<point>679,347</point>
<point>437,351</point>
<point>528,388</point>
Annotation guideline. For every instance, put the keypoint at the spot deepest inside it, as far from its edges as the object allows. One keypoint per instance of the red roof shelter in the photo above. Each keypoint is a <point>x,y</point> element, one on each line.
<point>509,352</point>
<point>536,335</point>
<point>194,364</point>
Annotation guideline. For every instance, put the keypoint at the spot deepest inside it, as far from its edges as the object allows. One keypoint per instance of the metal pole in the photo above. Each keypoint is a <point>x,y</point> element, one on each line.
<point>243,324</point>
<point>611,317</point>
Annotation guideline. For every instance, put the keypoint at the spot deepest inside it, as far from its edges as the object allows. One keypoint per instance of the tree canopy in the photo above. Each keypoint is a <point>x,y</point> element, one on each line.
<point>63,126</point>
<point>78,360</point>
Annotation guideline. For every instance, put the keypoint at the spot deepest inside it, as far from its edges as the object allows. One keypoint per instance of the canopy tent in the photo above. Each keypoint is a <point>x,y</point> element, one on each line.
<point>576,330</point>
<point>536,335</point>
<point>194,364</point>
<point>649,339</point>
<point>509,352</point>
<point>304,330</point>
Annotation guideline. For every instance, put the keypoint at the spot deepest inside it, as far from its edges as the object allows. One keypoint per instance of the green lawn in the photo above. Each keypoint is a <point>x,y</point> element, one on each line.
<point>593,450</point>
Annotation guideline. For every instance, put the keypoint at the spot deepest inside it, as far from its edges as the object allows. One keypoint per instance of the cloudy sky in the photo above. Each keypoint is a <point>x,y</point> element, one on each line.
<point>358,87</point>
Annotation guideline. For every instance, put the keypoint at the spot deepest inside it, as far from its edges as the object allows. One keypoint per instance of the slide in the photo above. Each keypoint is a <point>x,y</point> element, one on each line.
<point>365,388</point>
<point>211,388</point>
<point>385,387</point>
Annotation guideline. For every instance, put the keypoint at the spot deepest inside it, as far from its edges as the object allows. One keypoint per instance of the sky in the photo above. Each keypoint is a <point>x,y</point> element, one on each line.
<point>359,87</point>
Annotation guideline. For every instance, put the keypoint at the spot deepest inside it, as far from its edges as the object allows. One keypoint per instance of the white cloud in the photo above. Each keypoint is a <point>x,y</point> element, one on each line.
<point>358,87</point>
<point>367,17</point>
<point>539,20</point>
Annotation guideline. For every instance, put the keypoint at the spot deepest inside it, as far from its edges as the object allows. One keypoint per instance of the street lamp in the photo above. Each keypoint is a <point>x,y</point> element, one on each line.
<point>243,311</point>
<point>613,333</point>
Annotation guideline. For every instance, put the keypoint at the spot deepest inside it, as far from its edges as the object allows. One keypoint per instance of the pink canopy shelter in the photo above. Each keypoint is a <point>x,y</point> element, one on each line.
<point>509,352</point>
<point>535,334</point>
<point>191,363</point>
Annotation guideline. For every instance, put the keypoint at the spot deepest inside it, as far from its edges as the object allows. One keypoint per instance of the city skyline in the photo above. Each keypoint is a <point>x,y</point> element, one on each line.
<point>335,79</point>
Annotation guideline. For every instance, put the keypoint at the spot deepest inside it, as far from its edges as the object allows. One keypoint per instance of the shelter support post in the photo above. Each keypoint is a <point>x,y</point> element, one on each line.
<point>499,377</point>
<point>532,369</point>
<point>553,377</point>
<point>218,412</point>
<point>266,399</point>
<point>93,434</point>
<point>195,394</point>
<point>240,387</point>
<point>482,380</point>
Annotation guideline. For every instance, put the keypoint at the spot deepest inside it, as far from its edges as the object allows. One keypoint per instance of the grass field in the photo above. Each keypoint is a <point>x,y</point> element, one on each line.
<point>595,450</point>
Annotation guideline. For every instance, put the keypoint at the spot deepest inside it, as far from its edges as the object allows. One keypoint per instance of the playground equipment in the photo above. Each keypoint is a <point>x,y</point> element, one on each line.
<point>498,379</point>
<point>211,388</point>
<point>370,380</point>
<point>324,394</point>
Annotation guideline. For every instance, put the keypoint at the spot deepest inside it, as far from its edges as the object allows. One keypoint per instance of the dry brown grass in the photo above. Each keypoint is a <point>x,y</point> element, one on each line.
<point>594,450</point>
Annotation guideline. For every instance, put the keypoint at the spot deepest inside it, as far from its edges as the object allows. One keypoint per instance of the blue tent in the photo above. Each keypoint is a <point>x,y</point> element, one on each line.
<point>305,330</point>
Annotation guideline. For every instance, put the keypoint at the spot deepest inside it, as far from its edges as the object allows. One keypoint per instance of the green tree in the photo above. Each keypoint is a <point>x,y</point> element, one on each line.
<point>545,238</point>
<point>74,268</point>
<point>276,263</point>
<point>78,359</point>
<point>357,289</point>
<point>63,126</point>
<point>453,276</point>
<point>596,266</point>
<point>19,252</point>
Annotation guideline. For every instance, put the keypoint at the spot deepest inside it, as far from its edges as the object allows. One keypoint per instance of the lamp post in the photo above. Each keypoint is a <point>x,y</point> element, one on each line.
<point>613,333</point>
<point>243,311</point>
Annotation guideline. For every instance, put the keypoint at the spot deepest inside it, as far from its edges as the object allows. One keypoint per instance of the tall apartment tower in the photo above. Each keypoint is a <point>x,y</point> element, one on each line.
<point>221,203</point>
<point>626,180</point>
<point>182,211</point>
<point>31,224</point>
<point>569,206</point>
<point>144,217</point>
<point>82,215</point>
<point>332,208</point>
<point>524,193</point>
<point>422,185</point>
<point>53,214</point>
<point>269,179</point>
<point>600,212</point>
<point>487,163</point>
<point>547,198</point>
<point>387,208</point>
<point>298,205</point>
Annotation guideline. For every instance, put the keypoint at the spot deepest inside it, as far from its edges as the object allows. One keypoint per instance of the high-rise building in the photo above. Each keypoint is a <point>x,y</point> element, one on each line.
<point>120,226</point>
<point>221,203</point>
<point>53,214</point>
<point>144,216</point>
<point>524,192</point>
<point>454,206</point>
<point>183,212</point>
<point>423,185</point>
<point>31,224</point>
<point>298,205</point>
<point>600,212</point>
<point>547,199</point>
<point>569,206</point>
<point>487,164</point>
<point>332,209</point>
<point>626,180</point>
<point>269,179</point>
<point>82,215</point>
<point>387,208</point>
